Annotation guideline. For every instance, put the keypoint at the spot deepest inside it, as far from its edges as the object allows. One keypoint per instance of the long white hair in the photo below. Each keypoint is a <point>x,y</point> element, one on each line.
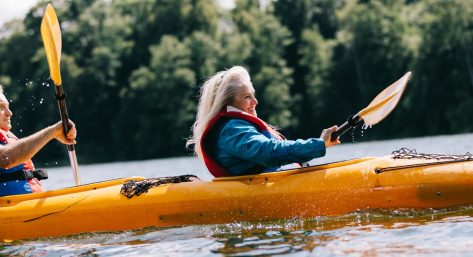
<point>216,93</point>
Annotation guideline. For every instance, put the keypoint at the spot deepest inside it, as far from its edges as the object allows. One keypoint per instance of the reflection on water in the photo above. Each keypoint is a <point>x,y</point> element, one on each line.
<point>374,233</point>
<point>446,232</point>
<point>358,234</point>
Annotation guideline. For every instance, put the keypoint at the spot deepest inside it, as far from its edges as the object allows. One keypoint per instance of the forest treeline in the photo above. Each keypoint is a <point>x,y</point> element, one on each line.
<point>132,69</point>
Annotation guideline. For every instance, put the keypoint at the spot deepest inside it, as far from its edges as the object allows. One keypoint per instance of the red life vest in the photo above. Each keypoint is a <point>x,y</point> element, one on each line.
<point>214,167</point>
<point>8,138</point>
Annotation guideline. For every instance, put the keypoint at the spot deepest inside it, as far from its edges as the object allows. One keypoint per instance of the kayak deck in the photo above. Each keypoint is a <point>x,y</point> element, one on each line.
<point>329,189</point>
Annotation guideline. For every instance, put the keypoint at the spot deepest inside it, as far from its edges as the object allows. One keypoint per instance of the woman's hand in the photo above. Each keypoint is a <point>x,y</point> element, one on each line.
<point>327,136</point>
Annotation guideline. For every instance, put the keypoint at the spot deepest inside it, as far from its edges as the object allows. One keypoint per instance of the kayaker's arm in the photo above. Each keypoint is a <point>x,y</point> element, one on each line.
<point>25,148</point>
<point>244,141</point>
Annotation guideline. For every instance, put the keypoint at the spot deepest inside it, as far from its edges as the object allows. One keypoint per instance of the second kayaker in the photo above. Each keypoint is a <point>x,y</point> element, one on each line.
<point>17,172</point>
<point>233,141</point>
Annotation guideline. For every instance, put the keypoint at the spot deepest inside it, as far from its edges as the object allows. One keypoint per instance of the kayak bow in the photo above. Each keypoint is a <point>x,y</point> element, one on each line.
<point>329,189</point>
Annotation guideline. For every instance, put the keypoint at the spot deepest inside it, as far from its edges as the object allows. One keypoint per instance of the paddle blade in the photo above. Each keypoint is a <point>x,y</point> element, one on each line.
<point>51,35</point>
<point>384,102</point>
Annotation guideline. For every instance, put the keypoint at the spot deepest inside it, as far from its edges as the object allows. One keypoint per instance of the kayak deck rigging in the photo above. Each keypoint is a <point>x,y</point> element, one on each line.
<point>137,187</point>
<point>411,154</point>
<point>321,190</point>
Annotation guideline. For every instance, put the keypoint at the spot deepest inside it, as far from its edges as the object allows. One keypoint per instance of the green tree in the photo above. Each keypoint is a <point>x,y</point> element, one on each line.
<point>156,110</point>
<point>443,87</point>
<point>304,19</point>
<point>267,66</point>
<point>98,42</point>
<point>316,59</point>
<point>132,70</point>
<point>372,50</point>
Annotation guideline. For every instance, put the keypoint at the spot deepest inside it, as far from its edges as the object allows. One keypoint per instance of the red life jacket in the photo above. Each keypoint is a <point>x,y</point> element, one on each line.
<point>8,138</point>
<point>214,167</point>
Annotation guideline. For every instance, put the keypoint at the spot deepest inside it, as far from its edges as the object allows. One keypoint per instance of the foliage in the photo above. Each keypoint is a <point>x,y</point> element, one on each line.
<point>132,70</point>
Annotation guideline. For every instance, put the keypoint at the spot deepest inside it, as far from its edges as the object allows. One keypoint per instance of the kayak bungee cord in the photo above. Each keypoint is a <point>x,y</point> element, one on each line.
<point>135,188</point>
<point>406,153</point>
<point>411,154</point>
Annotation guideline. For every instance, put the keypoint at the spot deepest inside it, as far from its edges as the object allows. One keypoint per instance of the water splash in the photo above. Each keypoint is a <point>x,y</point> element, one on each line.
<point>365,127</point>
<point>353,135</point>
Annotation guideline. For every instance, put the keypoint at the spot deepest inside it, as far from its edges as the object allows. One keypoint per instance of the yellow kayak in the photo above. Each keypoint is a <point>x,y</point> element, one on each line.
<point>329,189</point>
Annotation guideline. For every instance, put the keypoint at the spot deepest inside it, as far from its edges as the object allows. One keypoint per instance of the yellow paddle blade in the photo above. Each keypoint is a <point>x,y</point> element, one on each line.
<point>51,35</point>
<point>384,102</point>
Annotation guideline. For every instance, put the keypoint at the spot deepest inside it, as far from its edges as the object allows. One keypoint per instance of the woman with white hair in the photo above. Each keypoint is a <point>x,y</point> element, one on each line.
<point>233,141</point>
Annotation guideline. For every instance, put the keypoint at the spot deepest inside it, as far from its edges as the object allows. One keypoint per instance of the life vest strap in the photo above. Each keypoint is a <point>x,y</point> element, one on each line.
<point>24,175</point>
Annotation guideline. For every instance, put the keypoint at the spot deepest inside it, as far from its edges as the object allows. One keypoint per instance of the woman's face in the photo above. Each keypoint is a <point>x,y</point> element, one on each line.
<point>245,99</point>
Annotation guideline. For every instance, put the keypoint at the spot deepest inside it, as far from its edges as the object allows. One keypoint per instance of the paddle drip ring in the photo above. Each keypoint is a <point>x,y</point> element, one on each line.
<point>406,153</point>
<point>135,188</point>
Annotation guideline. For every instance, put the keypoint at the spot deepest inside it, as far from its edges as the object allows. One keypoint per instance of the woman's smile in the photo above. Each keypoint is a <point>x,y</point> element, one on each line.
<point>245,98</point>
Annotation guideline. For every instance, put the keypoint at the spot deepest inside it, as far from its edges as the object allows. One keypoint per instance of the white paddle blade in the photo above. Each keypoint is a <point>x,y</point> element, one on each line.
<point>384,102</point>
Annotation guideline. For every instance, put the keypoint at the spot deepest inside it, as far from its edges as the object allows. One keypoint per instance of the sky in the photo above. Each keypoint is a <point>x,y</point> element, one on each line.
<point>11,9</point>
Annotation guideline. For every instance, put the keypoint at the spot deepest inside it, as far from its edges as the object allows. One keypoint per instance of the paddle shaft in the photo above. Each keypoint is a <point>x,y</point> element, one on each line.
<point>350,123</point>
<point>61,100</point>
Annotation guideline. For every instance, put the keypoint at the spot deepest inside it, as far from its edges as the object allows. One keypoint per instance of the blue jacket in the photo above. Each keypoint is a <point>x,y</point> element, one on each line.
<point>241,147</point>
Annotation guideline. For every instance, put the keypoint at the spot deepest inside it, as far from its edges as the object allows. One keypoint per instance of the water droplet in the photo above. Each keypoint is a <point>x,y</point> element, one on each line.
<point>353,135</point>
<point>56,163</point>
<point>41,101</point>
<point>21,130</point>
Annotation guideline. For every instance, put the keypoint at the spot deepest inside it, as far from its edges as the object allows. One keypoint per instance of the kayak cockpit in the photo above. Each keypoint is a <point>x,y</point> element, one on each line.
<point>276,176</point>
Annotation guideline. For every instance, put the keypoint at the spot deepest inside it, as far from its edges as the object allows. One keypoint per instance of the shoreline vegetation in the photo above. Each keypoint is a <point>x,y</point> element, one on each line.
<point>132,69</point>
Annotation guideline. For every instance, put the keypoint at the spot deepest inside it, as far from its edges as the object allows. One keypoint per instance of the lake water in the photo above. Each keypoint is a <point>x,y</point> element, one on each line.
<point>446,232</point>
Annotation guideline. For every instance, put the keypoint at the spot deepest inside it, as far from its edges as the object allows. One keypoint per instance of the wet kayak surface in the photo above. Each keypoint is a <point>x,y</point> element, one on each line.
<point>446,232</point>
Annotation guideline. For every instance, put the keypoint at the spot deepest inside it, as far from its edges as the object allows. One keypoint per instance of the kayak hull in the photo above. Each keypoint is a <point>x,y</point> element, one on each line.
<point>331,189</point>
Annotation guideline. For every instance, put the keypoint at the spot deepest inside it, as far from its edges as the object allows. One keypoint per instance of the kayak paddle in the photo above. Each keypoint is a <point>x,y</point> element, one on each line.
<point>51,35</point>
<point>378,109</point>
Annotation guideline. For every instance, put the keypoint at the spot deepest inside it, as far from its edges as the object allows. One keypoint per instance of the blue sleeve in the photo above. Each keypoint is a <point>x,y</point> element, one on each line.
<point>241,139</point>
